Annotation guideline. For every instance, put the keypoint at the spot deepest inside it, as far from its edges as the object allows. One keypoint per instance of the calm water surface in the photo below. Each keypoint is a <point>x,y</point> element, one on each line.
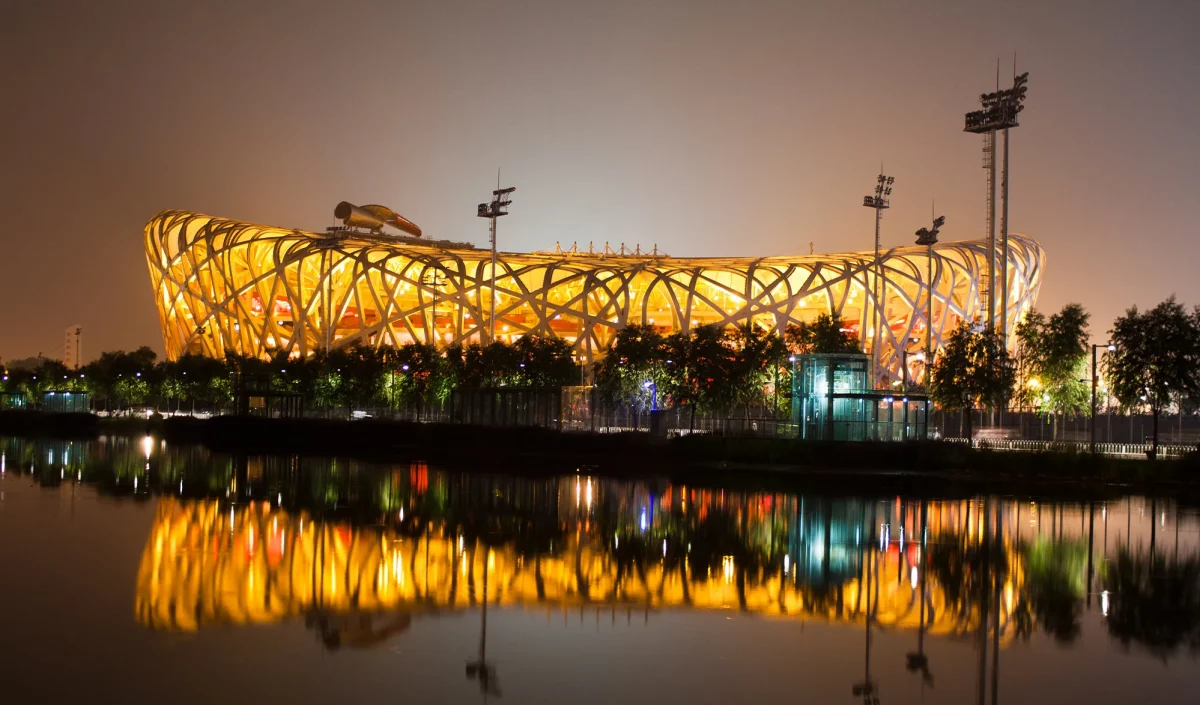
<point>136,572</point>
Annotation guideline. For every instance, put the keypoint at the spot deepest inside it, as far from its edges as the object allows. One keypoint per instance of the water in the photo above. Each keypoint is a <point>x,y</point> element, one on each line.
<point>136,572</point>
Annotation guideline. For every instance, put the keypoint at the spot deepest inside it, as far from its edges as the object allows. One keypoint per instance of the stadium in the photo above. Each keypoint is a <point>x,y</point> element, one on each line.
<point>223,286</point>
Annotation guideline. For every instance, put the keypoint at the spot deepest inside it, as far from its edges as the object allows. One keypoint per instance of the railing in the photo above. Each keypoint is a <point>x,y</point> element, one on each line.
<point>1114,449</point>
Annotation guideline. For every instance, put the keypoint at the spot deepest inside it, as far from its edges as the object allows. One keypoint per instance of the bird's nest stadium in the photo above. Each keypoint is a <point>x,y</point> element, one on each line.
<point>223,286</point>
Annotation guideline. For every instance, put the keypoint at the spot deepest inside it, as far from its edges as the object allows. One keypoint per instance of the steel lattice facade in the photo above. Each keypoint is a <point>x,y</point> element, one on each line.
<point>225,286</point>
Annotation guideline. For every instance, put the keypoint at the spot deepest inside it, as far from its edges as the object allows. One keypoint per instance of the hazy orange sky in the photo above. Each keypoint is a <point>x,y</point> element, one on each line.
<point>732,128</point>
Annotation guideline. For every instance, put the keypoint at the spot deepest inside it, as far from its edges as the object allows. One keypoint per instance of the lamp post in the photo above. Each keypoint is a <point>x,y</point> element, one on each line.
<point>998,112</point>
<point>1095,382</point>
<point>929,238</point>
<point>879,202</point>
<point>434,280</point>
<point>648,384</point>
<point>494,210</point>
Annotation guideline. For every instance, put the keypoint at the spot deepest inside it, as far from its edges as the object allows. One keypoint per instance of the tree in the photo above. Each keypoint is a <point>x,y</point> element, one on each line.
<point>302,375</point>
<point>679,383</point>
<point>195,378</point>
<point>697,370</point>
<point>973,370</point>
<point>416,375</point>
<point>1053,361</point>
<point>827,334</point>
<point>638,354</point>
<point>545,362</point>
<point>1156,360</point>
<point>350,376</point>
<point>711,362</point>
<point>47,375</point>
<point>1029,333</point>
<point>121,377</point>
<point>757,359</point>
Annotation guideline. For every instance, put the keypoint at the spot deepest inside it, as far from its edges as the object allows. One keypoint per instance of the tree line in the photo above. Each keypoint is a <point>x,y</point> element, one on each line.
<point>409,376</point>
<point>1151,364</point>
<point>709,369</point>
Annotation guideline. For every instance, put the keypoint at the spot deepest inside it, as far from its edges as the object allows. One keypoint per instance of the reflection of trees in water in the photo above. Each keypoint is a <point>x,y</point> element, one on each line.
<point>1055,586</point>
<point>967,571</point>
<point>1154,602</point>
<point>723,548</point>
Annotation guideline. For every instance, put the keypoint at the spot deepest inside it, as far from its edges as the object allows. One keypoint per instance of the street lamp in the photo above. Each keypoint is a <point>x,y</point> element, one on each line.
<point>879,202</point>
<point>998,111</point>
<point>928,237</point>
<point>434,280</point>
<point>494,210</point>
<point>1095,381</point>
<point>648,384</point>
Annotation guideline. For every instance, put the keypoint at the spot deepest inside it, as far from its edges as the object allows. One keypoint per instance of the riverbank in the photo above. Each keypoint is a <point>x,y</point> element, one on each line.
<point>739,460</point>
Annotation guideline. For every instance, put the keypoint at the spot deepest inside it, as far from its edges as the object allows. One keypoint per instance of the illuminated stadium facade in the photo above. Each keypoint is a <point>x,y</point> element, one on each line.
<point>224,286</point>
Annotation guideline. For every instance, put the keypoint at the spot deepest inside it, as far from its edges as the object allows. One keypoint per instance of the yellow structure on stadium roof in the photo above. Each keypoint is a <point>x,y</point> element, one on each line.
<point>224,286</point>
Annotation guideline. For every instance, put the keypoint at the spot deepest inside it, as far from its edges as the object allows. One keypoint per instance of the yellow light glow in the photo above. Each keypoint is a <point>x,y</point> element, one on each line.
<point>364,299</point>
<point>321,574</point>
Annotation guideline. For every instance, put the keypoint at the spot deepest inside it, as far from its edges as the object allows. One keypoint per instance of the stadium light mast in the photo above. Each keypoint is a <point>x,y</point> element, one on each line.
<point>495,209</point>
<point>880,201</point>
<point>929,238</point>
<point>435,281</point>
<point>998,112</point>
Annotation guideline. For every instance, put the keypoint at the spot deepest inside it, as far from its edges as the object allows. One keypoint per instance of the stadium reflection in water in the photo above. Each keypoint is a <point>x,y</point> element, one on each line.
<point>359,551</point>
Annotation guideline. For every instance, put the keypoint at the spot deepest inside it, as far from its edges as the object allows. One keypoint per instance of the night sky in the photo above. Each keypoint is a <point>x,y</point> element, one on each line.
<point>707,128</point>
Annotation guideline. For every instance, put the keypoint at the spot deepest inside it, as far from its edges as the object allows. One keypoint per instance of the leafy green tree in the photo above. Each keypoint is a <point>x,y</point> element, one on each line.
<point>132,391</point>
<point>249,371</point>
<point>485,366</point>
<point>416,375</point>
<point>638,354</point>
<point>198,379</point>
<point>545,362</point>
<point>123,378</point>
<point>1052,366</point>
<point>827,334</point>
<point>1156,360</point>
<point>1029,333</point>
<point>300,375</point>
<point>679,382</point>
<point>712,359</point>
<point>758,357</point>
<point>697,368</point>
<point>973,370</point>
<point>350,377</point>
<point>47,375</point>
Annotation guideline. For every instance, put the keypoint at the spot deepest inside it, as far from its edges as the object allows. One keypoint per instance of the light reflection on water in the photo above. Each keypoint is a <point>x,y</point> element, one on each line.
<point>361,553</point>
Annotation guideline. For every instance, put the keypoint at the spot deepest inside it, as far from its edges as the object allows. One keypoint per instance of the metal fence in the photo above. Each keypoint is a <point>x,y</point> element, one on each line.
<point>1113,449</point>
<point>1023,424</point>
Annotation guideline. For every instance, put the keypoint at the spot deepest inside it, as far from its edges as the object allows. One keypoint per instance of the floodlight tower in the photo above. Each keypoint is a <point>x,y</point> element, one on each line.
<point>929,238</point>
<point>435,281</point>
<point>998,112</point>
<point>493,210</point>
<point>880,201</point>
